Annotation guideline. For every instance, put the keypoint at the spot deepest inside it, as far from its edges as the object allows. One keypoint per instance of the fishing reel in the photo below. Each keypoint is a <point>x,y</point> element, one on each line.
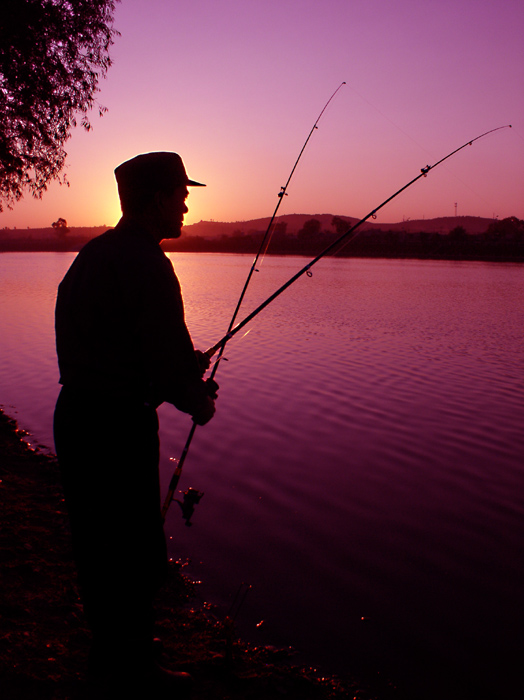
<point>191,499</point>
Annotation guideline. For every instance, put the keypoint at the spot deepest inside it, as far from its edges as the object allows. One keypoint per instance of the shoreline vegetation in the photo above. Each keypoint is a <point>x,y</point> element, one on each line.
<point>445,238</point>
<point>43,638</point>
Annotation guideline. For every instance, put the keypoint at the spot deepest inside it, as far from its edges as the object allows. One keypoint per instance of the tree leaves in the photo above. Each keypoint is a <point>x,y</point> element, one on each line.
<point>53,54</point>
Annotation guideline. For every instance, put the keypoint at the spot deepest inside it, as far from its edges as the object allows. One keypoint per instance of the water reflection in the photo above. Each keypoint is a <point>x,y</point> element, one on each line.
<point>364,470</point>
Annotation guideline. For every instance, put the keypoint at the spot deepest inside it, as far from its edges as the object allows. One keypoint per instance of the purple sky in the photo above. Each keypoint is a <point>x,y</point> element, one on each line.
<point>235,87</point>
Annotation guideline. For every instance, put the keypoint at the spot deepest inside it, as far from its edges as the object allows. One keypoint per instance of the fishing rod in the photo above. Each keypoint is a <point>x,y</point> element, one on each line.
<point>344,238</point>
<point>265,240</point>
<point>191,496</point>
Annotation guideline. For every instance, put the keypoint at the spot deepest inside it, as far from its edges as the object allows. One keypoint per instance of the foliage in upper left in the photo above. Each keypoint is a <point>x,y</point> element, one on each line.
<point>53,54</point>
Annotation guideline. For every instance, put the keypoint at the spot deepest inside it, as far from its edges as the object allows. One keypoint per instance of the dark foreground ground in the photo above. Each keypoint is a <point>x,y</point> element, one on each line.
<point>43,639</point>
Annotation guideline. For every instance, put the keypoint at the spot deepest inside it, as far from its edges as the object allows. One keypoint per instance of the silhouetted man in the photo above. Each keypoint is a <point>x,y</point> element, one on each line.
<point>123,349</point>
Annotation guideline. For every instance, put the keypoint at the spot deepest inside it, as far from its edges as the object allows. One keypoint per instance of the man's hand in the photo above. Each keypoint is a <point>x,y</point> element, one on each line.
<point>203,360</point>
<point>205,412</point>
<point>212,388</point>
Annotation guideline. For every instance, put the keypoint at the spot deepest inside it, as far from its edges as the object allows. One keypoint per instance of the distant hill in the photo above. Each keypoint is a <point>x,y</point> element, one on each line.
<point>244,236</point>
<point>214,229</point>
<point>294,223</point>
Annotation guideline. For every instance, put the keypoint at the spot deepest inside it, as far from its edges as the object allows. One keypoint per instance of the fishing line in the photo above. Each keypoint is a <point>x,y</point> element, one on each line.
<point>283,190</point>
<point>270,228</point>
<point>189,502</point>
<point>225,359</point>
<point>422,148</point>
<point>517,132</point>
<point>337,243</point>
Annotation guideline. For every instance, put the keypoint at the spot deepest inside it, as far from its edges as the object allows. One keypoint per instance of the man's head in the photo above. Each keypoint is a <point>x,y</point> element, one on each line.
<point>155,184</point>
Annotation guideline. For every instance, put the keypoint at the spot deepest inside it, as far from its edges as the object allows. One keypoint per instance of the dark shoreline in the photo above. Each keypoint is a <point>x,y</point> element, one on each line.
<point>43,638</point>
<point>501,254</point>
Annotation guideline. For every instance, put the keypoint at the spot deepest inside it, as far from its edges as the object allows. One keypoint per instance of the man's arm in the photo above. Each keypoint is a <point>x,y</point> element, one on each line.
<point>175,368</point>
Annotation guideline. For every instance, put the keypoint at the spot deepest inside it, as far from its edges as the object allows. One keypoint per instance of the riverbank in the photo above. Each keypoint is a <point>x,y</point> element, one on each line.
<point>43,638</point>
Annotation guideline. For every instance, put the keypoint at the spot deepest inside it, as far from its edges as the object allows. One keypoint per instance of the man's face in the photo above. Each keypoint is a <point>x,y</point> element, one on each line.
<point>172,209</point>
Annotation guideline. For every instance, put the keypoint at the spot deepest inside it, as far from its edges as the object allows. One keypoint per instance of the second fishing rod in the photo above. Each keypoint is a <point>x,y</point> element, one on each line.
<point>192,496</point>
<point>341,241</point>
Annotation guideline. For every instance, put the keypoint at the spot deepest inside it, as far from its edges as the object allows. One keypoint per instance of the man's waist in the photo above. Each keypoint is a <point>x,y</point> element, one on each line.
<point>105,388</point>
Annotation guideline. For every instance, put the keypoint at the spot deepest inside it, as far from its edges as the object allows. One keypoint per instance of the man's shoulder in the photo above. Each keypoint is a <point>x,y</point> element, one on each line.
<point>127,256</point>
<point>103,241</point>
<point>123,243</point>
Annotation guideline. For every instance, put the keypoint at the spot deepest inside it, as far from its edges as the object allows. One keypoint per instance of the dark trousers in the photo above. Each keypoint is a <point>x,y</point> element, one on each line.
<point>108,452</point>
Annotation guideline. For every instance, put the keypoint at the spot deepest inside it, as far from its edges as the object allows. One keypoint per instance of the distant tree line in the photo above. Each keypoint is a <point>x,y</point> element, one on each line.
<point>503,240</point>
<point>43,240</point>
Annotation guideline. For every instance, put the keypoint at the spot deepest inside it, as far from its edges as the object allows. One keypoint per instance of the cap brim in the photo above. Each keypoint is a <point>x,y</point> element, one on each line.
<point>193,183</point>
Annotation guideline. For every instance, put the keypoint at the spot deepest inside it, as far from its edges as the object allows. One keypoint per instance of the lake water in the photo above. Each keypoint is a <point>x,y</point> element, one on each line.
<point>364,472</point>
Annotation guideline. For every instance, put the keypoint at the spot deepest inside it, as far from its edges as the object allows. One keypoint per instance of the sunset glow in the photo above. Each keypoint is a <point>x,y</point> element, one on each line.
<point>235,87</point>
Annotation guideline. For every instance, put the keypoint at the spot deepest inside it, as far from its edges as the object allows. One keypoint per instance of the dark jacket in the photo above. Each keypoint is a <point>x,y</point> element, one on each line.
<point>120,328</point>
